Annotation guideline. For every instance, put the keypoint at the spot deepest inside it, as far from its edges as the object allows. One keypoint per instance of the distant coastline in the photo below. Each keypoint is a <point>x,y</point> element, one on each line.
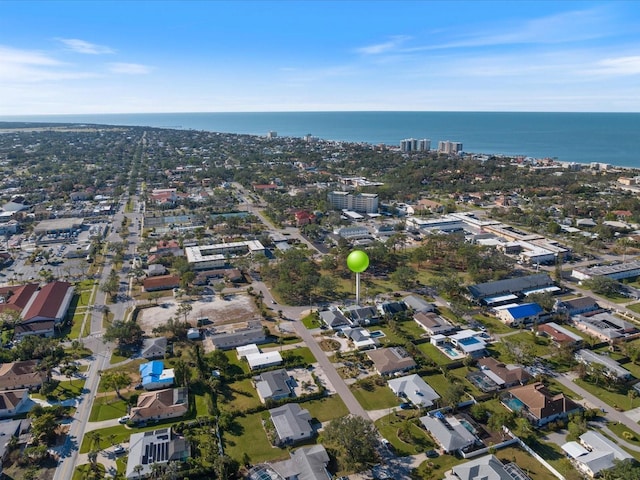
<point>609,138</point>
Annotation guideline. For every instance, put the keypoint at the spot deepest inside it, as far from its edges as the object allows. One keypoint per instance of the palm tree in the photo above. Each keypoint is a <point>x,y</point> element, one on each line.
<point>138,470</point>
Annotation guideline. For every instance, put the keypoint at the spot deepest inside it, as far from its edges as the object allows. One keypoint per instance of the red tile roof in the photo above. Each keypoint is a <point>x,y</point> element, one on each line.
<point>16,298</point>
<point>48,302</point>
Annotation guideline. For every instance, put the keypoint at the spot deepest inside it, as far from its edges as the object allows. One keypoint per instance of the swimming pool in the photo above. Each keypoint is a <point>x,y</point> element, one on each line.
<point>514,404</point>
<point>468,341</point>
<point>451,352</point>
<point>377,334</point>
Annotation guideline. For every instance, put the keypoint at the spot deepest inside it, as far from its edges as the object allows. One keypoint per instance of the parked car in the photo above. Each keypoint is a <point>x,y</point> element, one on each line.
<point>124,419</point>
<point>119,450</point>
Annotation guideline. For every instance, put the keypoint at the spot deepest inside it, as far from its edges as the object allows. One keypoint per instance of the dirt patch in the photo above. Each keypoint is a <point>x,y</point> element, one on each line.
<point>232,309</point>
<point>329,345</point>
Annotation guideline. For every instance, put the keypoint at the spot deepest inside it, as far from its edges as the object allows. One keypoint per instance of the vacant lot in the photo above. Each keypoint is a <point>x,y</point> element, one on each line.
<point>231,309</point>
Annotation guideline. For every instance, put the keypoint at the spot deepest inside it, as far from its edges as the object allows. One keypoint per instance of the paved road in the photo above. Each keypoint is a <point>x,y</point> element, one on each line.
<point>69,456</point>
<point>611,415</point>
<point>336,380</point>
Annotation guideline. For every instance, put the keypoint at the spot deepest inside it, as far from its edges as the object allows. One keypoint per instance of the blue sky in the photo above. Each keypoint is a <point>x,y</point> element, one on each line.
<point>216,56</point>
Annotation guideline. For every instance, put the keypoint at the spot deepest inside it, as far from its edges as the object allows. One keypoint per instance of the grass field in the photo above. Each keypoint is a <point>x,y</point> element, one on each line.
<point>311,321</point>
<point>389,427</point>
<point>526,462</point>
<point>239,396</point>
<point>327,408</point>
<point>65,390</point>
<point>492,324</point>
<point>248,435</point>
<point>82,471</point>
<point>300,354</point>
<point>377,399</point>
<point>614,399</point>
<point>432,352</point>
<point>107,408</point>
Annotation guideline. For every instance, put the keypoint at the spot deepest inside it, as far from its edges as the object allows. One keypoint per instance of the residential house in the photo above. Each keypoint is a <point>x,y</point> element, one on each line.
<point>487,468</point>
<point>594,453</point>
<point>273,385</point>
<point>448,432</point>
<point>11,429</point>
<point>519,315</point>
<point>388,361</point>
<point>11,401</point>
<point>391,308</point>
<point>469,342</point>
<point>334,319</point>
<point>535,402</point>
<point>153,348</point>
<point>504,376</point>
<point>292,423</point>
<point>260,360</point>
<point>161,404</point>
<point>156,269</point>
<point>161,282</point>
<point>361,315</point>
<point>414,389</point>
<point>611,368</point>
<point>606,327</point>
<point>433,324</point>
<point>360,337</point>
<point>306,463</point>
<point>154,447</point>
<point>559,335</point>
<point>155,376</point>
<point>22,374</point>
<point>418,304</point>
<point>576,306</point>
<point>252,333</point>
<point>244,350</point>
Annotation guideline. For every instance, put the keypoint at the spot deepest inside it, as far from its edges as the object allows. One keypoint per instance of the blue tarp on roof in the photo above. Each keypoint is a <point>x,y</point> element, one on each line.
<point>151,371</point>
<point>525,310</point>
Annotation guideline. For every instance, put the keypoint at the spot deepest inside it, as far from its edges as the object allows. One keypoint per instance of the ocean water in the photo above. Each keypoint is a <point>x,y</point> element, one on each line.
<point>612,138</point>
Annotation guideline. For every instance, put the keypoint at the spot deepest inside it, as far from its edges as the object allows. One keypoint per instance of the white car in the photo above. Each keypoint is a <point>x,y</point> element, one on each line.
<point>119,450</point>
<point>124,419</point>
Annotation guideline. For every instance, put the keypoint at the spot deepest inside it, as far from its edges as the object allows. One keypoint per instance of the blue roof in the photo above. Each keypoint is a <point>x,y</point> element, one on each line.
<point>151,368</point>
<point>525,310</point>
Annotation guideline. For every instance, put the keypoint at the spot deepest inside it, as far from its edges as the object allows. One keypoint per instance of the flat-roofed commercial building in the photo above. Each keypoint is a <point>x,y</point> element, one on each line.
<point>215,256</point>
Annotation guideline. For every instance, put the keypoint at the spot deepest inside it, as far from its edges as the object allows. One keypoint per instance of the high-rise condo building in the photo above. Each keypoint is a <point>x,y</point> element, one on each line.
<point>359,202</point>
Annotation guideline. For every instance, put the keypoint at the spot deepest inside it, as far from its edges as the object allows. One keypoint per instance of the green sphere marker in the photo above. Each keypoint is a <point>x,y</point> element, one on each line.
<point>357,261</point>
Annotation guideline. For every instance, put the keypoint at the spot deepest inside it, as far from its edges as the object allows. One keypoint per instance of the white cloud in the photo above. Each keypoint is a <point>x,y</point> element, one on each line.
<point>129,68</point>
<point>393,44</point>
<point>618,66</point>
<point>13,56</point>
<point>82,46</point>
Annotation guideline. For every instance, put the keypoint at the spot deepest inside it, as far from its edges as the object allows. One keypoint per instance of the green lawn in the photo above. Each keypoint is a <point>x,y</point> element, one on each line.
<point>107,408</point>
<point>248,435</point>
<point>65,390</point>
<point>433,468</point>
<point>432,352</point>
<point>300,354</point>
<point>541,345</point>
<point>492,324</point>
<point>82,472</point>
<point>239,396</point>
<point>390,337</point>
<point>327,408</point>
<point>76,325</point>
<point>526,462</point>
<point>635,307</point>
<point>377,399</point>
<point>619,429</point>
<point>236,366</point>
<point>389,426</point>
<point>115,358</point>
<point>311,321</point>
<point>411,329</point>
<point>132,368</point>
<point>615,399</point>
